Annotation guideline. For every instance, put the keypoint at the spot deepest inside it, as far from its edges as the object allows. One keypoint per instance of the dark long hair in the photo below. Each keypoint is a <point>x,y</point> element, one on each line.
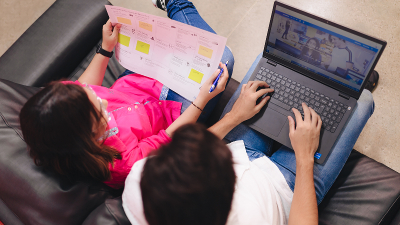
<point>57,124</point>
<point>315,54</point>
<point>189,181</point>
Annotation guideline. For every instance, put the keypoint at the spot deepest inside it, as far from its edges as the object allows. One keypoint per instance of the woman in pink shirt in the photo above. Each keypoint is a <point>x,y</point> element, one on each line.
<point>82,130</point>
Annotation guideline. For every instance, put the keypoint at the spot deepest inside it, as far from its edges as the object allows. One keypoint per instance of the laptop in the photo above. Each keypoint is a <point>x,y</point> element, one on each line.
<point>310,59</point>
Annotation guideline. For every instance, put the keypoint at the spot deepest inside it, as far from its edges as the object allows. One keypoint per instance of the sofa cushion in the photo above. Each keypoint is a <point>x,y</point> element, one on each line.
<point>110,213</point>
<point>366,192</point>
<point>35,195</point>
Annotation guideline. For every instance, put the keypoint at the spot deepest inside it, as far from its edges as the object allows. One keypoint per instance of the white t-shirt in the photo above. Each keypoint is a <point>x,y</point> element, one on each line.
<point>339,58</point>
<point>261,196</point>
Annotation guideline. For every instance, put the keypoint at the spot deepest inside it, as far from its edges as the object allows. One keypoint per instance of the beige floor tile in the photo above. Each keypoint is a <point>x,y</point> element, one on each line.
<point>16,17</point>
<point>248,39</point>
<point>223,15</point>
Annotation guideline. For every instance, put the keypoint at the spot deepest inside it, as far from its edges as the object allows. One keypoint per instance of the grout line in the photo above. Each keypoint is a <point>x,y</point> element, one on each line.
<point>242,19</point>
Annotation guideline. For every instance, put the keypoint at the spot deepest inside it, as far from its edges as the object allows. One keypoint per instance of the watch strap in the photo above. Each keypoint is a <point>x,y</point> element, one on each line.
<point>104,52</point>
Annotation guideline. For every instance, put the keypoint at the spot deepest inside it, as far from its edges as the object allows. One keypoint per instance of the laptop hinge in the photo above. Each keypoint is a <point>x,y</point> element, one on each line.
<point>271,62</point>
<point>344,96</point>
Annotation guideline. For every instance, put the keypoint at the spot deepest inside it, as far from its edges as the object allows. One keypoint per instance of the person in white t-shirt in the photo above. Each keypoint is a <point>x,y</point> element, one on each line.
<point>341,55</point>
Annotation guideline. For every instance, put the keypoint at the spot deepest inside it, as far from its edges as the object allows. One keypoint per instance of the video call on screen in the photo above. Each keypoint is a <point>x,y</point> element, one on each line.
<point>320,48</point>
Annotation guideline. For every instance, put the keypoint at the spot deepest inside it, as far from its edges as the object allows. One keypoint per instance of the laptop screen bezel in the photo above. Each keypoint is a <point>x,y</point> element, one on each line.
<point>344,90</point>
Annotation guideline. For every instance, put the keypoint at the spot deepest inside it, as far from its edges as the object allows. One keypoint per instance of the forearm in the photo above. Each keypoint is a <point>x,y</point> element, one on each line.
<point>190,115</point>
<point>94,74</point>
<point>304,209</point>
<point>224,126</point>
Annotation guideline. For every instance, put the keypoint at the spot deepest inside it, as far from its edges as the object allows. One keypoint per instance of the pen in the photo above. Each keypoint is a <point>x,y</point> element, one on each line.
<point>216,80</point>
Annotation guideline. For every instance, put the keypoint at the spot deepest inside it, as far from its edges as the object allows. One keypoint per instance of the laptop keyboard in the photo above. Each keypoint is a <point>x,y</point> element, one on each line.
<point>291,94</point>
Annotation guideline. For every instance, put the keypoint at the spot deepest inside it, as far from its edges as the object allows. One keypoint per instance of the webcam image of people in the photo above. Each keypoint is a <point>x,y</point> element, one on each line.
<point>315,49</point>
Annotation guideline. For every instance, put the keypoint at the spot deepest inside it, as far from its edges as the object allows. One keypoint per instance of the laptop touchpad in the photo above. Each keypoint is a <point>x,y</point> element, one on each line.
<point>271,122</point>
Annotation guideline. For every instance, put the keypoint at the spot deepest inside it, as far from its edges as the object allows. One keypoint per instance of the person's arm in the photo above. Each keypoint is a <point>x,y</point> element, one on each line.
<point>192,113</point>
<point>305,139</point>
<point>244,108</point>
<point>94,74</point>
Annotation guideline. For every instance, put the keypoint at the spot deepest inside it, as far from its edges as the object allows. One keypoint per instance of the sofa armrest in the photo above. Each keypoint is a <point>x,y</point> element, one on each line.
<point>366,192</point>
<point>56,43</point>
<point>396,219</point>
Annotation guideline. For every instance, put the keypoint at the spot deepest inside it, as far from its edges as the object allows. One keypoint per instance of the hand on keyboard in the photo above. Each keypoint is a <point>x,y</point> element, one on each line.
<point>246,105</point>
<point>304,134</point>
<point>263,96</point>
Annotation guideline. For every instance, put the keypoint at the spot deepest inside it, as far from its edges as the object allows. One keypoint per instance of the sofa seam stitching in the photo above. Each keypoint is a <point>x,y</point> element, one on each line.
<point>9,207</point>
<point>112,213</point>
<point>387,211</point>
<point>8,125</point>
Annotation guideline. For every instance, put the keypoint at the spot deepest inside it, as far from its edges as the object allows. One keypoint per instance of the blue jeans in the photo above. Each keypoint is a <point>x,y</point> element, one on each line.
<point>185,12</point>
<point>258,145</point>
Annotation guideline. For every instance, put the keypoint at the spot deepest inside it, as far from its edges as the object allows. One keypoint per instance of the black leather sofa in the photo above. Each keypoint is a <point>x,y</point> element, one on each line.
<point>59,45</point>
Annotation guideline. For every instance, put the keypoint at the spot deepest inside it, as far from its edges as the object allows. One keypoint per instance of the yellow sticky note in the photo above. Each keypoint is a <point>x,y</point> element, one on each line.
<point>204,51</point>
<point>196,76</point>
<point>124,20</point>
<point>146,26</point>
<point>143,47</point>
<point>123,39</point>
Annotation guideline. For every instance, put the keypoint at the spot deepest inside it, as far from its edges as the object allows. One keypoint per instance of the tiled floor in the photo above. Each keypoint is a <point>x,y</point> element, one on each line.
<point>245,23</point>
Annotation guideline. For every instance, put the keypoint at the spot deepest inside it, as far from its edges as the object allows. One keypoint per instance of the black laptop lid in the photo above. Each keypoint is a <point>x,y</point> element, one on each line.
<point>325,51</point>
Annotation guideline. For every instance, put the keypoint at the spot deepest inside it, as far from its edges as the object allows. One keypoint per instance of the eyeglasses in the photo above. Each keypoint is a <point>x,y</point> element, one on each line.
<point>102,108</point>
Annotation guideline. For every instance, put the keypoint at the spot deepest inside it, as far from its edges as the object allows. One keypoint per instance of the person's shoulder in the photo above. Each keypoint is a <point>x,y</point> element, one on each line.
<point>239,155</point>
<point>132,196</point>
<point>134,175</point>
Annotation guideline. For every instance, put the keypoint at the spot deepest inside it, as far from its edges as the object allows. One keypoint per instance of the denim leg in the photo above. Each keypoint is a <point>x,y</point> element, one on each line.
<point>326,174</point>
<point>126,72</point>
<point>257,144</point>
<point>185,12</point>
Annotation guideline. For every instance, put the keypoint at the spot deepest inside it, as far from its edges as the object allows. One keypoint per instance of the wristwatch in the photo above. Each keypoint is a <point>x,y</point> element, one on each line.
<point>104,52</point>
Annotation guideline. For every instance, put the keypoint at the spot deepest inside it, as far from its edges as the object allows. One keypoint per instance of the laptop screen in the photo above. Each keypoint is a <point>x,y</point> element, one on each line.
<point>323,49</point>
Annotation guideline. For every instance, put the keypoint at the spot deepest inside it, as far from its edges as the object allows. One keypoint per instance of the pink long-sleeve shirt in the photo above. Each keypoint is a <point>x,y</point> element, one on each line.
<point>138,121</point>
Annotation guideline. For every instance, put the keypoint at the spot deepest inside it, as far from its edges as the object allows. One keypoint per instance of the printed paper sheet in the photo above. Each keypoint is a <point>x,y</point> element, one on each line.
<point>180,56</point>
